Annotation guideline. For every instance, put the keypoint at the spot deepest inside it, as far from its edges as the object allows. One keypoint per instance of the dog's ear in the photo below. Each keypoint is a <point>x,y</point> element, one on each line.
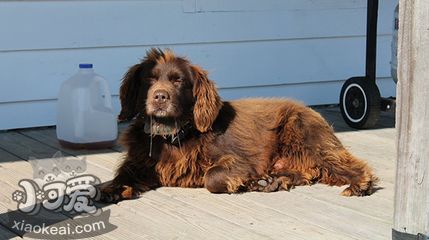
<point>129,93</point>
<point>207,100</point>
<point>132,93</point>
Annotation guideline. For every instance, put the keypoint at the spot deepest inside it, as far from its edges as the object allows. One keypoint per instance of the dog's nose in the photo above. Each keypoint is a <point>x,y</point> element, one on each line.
<point>161,96</point>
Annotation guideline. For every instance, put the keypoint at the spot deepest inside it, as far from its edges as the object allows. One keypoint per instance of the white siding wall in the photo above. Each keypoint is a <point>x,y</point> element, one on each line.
<point>303,49</point>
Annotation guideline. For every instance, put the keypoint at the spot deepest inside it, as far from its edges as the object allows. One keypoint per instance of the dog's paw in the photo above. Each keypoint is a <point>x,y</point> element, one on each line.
<point>259,184</point>
<point>113,194</point>
<point>270,184</point>
<point>354,190</point>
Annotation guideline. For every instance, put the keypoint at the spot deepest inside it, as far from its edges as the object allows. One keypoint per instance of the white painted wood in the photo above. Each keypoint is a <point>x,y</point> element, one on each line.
<point>32,113</point>
<point>189,6</point>
<point>77,24</point>
<point>412,185</point>
<point>242,43</point>
<point>276,5</point>
<point>229,64</point>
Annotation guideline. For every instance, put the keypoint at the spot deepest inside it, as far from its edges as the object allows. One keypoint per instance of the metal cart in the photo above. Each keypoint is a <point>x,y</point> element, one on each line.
<point>360,100</point>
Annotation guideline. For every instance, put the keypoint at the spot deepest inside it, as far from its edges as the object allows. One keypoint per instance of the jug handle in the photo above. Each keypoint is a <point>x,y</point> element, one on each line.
<point>104,89</point>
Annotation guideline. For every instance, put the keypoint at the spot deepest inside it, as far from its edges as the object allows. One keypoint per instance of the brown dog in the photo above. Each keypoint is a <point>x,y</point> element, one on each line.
<point>183,135</point>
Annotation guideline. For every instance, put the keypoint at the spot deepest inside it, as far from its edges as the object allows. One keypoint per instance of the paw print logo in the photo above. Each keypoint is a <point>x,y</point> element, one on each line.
<point>40,195</point>
<point>18,196</point>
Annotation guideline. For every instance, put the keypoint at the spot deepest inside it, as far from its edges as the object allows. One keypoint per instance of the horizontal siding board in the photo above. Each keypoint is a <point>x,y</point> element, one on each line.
<point>274,5</point>
<point>32,114</point>
<point>40,25</point>
<point>42,113</point>
<point>317,93</point>
<point>230,65</point>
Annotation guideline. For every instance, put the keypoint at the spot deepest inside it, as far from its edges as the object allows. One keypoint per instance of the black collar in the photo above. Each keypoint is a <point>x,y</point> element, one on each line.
<point>182,134</point>
<point>184,131</point>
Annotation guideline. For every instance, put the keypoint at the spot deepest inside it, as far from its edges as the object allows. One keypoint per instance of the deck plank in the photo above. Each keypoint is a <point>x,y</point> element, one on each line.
<point>378,151</point>
<point>6,234</point>
<point>24,147</point>
<point>378,206</point>
<point>249,215</point>
<point>326,215</point>
<point>48,136</point>
<point>386,119</point>
<point>191,219</point>
<point>7,156</point>
<point>334,119</point>
<point>11,174</point>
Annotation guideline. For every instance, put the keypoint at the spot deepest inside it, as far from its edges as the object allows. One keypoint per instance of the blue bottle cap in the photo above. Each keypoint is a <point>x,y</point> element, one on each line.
<point>85,65</point>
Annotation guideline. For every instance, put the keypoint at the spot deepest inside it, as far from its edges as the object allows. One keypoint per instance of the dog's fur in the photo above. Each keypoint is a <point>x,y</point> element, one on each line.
<point>244,145</point>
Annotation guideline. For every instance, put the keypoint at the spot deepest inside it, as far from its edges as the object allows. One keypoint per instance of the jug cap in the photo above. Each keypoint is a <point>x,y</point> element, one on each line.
<point>85,65</point>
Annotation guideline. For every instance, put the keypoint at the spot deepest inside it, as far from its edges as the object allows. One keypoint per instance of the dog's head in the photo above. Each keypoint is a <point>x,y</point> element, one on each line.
<point>164,86</point>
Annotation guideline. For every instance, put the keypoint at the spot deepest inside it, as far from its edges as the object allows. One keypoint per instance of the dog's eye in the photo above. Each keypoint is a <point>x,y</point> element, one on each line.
<point>175,77</point>
<point>176,80</point>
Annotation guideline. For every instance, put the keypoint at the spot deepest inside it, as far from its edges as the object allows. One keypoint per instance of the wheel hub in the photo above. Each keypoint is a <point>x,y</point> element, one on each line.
<point>356,103</point>
<point>360,102</point>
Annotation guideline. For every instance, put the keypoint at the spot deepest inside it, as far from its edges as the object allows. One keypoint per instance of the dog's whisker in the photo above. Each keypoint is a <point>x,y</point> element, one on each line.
<point>151,138</point>
<point>178,137</point>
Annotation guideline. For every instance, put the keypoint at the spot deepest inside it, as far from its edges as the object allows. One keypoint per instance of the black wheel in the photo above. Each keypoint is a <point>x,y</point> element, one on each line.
<point>360,102</point>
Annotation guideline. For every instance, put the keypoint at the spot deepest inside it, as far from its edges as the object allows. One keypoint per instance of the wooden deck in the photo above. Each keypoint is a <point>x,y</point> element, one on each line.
<point>314,212</point>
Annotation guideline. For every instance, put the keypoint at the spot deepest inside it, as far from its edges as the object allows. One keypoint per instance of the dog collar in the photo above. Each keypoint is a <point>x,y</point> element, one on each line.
<point>174,135</point>
<point>182,134</point>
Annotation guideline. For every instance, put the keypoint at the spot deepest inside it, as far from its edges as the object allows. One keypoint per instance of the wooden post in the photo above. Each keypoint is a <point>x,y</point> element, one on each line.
<point>411,217</point>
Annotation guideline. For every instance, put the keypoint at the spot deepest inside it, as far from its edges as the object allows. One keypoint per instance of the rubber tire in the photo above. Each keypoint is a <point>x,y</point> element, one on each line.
<point>355,94</point>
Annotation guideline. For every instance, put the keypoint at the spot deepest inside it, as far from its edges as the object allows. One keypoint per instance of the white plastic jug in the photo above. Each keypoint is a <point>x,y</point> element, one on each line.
<point>85,117</point>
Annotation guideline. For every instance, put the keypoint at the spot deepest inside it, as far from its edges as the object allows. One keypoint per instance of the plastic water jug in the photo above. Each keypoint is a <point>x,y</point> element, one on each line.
<point>85,117</point>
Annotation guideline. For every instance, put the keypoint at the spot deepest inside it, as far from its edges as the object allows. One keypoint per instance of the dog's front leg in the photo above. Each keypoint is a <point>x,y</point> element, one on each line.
<point>130,181</point>
<point>113,193</point>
